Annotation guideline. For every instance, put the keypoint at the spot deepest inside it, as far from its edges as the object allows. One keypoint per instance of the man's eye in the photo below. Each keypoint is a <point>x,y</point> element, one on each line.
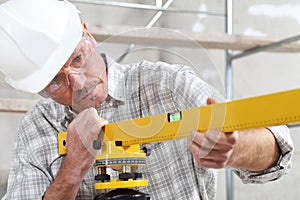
<point>57,79</point>
<point>77,59</point>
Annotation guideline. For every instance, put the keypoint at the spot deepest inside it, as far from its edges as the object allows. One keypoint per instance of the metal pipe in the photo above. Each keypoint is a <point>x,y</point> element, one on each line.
<point>293,125</point>
<point>158,3</point>
<point>147,7</point>
<point>229,86</point>
<point>228,69</point>
<point>154,19</point>
<point>229,76</point>
<point>266,47</point>
<point>158,14</point>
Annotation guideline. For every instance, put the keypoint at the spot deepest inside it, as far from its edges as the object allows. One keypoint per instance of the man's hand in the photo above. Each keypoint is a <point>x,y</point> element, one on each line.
<point>82,131</point>
<point>212,149</point>
<point>80,157</point>
<point>252,149</point>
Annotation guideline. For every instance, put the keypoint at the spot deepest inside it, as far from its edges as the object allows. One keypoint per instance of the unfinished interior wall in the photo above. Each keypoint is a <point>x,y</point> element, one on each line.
<point>258,74</point>
<point>266,73</point>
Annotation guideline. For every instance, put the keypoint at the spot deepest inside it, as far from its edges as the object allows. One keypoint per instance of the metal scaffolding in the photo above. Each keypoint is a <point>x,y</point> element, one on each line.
<point>160,9</point>
<point>147,7</point>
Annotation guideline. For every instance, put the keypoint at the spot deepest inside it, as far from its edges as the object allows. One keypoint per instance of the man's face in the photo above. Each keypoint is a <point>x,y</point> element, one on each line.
<point>82,82</point>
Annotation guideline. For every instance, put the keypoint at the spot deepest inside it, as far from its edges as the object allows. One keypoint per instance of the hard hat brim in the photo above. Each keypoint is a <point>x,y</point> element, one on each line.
<point>37,42</point>
<point>37,81</point>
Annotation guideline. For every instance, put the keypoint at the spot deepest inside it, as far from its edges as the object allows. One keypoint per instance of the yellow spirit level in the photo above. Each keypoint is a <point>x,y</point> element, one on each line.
<point>120,146</point>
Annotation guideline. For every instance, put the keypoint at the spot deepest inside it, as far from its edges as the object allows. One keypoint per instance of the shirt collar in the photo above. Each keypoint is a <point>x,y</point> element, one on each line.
<point>116,79</point>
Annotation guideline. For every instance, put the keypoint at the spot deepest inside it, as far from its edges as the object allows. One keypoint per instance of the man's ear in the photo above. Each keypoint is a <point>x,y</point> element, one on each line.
<point>84,25</point>
<point>85,29</point>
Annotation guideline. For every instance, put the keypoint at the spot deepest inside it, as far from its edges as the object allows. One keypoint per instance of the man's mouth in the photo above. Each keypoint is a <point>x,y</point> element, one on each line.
<point>91,94</point>
<point>89,91</point>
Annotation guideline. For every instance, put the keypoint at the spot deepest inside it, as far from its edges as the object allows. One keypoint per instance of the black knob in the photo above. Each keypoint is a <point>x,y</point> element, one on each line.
<point>126,176</point>
<point>102,177</point>
<point>97,144</point>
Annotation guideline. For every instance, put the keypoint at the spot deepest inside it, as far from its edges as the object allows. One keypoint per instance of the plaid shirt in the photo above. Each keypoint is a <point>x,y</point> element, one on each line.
<point>135,90</point>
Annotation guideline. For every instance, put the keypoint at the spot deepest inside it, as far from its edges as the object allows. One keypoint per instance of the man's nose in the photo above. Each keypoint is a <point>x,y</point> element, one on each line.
<point>76,80</point>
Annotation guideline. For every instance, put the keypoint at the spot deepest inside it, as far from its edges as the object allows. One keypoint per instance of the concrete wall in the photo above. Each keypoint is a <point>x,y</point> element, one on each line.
<point>254,75</point>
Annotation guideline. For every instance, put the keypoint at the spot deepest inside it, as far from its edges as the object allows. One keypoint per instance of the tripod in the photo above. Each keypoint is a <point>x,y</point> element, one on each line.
<point>123,194</point>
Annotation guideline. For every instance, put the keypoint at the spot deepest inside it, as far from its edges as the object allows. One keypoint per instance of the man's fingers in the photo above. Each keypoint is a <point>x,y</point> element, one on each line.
<point>211,163</point>
<point>87,125</point>
<point>222,138</point>
<point>210,153</point>
<point>211,101</point>
<point>213,139</point>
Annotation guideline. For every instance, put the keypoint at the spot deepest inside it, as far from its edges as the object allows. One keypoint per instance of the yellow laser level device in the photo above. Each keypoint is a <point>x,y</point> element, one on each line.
<point>121,143</point>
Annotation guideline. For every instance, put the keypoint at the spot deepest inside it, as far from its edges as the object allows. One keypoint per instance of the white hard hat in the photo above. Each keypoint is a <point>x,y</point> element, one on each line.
<point>36,39</point>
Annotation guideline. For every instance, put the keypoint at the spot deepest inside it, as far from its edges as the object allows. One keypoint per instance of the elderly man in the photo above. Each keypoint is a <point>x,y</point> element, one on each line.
<point>46,49</point>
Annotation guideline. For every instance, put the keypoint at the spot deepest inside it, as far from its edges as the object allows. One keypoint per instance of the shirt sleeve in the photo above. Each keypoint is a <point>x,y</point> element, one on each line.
<point>26,181</point>
<point>34,157</point>
<point>284,141</point>
<point>192,91</point>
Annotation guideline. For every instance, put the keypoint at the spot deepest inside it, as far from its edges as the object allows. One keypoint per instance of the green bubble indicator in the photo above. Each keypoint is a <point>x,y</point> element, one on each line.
<point>174,117</point>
